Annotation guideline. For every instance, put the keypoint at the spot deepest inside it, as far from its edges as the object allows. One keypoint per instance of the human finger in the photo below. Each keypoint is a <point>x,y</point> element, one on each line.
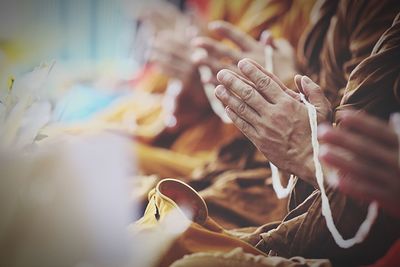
<point>241,124</point>
<point>263,81</point>
<point>237,105</point>
<point>216,49</point>
<point>357,144</point>
<point>372,127</point>
<point>244,90</point>
<point>228,31</point>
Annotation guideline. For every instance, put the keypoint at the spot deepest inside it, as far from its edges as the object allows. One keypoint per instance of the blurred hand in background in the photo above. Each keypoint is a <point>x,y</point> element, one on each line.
<point>231,45</point>
<point>365,152</point>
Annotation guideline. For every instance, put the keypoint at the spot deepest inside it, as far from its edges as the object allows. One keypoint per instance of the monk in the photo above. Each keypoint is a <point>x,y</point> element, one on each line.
<point>258,103</point>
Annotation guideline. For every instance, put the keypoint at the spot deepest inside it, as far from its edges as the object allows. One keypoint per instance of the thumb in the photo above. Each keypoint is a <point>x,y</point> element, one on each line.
<point>313,92</point>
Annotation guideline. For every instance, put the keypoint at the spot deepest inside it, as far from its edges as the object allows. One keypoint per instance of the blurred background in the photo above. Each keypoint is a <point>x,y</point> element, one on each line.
<point>88,40</point>
<point>72,32</point>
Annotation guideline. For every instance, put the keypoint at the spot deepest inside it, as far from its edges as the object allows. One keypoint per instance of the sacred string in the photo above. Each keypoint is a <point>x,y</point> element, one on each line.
<point>365,227</point>
<point>282,192</point>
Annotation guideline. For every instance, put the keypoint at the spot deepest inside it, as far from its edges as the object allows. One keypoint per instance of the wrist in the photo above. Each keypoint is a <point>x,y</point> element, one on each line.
<point>305,169</point>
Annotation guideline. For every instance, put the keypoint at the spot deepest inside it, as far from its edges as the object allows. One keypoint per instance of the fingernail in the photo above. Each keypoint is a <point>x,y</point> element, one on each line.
<point>332,176</point>
<point>322,130</point>
<point>245,66</point>
<point>394,121</point>
<point>344,115</point>
<point>221,75</point>
<point>220,90</point>
<point>323,151</point>
<point>198,55</point>
<point>305,80</point>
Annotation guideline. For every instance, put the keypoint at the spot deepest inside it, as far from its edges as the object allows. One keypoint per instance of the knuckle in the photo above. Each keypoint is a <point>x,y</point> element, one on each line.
<point>263,82</point>
<point>287,102</point>
<point>233,117</point>
<point>242,108</point>
<point>247,93</point>
<point>243,126</point>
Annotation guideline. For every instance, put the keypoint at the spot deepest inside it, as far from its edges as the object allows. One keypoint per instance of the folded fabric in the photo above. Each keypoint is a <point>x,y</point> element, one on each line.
<point>202,235</point>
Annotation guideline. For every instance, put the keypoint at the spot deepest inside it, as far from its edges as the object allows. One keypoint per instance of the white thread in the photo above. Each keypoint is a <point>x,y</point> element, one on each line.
<point>281,192</point>
<point>209,89</point>
<point>268,54</point>
<point>365,227</point>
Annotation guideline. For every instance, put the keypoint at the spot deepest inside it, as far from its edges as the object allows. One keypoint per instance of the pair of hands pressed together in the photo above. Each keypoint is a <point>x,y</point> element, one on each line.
<point>272,116</point>
<point>363,149</point>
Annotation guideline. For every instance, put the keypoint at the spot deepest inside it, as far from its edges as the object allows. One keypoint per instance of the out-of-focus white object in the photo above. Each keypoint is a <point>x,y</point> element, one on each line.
<point>365,227</point>
<point>64,199</point>
<point>209,88</point>
<point>174,88</point>
<point>281,192</point>
<point>151,244</point>
<point>66,202</point>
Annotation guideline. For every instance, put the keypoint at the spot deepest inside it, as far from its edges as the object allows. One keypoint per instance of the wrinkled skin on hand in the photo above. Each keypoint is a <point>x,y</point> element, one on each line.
<point>272,116</point>
<point>221,55</point>
<point>365,151</point>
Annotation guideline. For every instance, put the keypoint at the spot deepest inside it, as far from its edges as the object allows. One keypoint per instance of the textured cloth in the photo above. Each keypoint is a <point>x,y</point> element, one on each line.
<point>202,234</point>
<point>239,176</point>
<point>374,85</point>
<point>237,258</point>
<point>204,242</point>
<point>341,35</point>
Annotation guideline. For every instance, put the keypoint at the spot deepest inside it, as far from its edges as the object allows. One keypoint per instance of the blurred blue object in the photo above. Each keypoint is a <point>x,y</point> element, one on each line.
<point>82,102</point>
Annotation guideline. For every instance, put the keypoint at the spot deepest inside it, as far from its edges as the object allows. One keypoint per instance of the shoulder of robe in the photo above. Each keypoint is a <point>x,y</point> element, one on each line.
<point>374,85</point>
